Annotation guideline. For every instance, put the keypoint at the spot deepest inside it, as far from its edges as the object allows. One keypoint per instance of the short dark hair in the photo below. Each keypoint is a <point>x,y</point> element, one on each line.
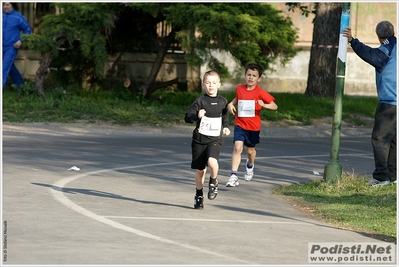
<point>14,5</point>
<point>254,66</point>
<point>384,29</point>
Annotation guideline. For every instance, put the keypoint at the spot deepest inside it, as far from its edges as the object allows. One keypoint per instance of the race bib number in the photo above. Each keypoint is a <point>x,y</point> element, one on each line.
<point>246,108</point>
<point>210,126</point>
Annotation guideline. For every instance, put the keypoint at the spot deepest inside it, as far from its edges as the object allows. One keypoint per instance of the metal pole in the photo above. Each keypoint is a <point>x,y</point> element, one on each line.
<point>333,168</point>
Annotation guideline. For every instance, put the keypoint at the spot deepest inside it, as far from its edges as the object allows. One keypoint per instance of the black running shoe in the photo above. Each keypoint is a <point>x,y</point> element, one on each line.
<point>213,191</point>
<point>198,202</point>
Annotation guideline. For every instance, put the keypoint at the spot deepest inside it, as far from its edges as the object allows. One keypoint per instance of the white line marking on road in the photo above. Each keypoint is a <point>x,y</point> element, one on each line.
<point>59,196</point>
<point>202,220</point>
<point>57,192</point>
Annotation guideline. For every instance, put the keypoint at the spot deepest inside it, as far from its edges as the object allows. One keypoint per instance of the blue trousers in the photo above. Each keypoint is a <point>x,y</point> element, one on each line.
<point>9,68</point>
<point>383,139</point>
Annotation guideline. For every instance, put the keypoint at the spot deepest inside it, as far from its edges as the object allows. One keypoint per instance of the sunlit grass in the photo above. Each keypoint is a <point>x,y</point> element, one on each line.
<point>169,109</point>
<point>349,203</point>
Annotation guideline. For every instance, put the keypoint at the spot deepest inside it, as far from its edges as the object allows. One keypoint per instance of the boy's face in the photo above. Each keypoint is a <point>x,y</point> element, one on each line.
<point>211,84</point>
<point>252,77</point>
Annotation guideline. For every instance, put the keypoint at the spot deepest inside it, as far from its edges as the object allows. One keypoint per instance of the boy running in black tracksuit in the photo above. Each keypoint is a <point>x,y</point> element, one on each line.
<point>210,113</point>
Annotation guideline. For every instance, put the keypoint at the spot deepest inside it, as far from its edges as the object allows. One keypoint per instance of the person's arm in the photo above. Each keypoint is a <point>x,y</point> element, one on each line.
<point>226,131</point>
<point>225,120</point>
<point>225,117</point>
<point>267,101</point>
<point>25,29</point>
<point>191,115</point>
<point>231,106</point>
<point>18,44</point>
<point>272,105</point>
<point>374,56</point>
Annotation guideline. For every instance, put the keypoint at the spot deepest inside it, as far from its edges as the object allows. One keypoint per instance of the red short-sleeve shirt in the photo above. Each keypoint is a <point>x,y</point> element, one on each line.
<point>248,110</point>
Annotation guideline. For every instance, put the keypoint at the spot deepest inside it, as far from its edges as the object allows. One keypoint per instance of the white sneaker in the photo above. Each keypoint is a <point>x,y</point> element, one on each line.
<point>376,183</point>
<point>233,181</point>
<point>373,182</point>
<point>249,172</point>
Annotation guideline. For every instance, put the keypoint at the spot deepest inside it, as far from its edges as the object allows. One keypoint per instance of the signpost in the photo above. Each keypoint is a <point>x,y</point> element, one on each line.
<point>333,168</point>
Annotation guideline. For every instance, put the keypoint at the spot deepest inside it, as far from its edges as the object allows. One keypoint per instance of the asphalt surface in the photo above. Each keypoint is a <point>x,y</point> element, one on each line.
<point>131,201</point>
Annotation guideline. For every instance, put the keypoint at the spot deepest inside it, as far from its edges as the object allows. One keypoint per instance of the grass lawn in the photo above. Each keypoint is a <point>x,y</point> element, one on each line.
<point>348,204</point>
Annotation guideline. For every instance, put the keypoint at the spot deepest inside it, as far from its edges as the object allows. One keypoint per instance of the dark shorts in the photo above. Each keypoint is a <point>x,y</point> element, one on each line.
<point>250,138</point>
<point>201,153</point>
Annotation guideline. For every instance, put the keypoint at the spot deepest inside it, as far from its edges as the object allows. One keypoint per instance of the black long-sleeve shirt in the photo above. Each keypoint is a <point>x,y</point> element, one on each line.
<point>215,107</point>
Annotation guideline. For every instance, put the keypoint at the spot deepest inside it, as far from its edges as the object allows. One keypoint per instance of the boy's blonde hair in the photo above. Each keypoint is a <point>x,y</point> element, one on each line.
<point>211,73</point>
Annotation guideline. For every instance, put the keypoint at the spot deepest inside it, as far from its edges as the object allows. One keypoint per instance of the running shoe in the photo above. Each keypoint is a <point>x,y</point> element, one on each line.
<point>213,190</point>
<point>373,182</point>
<point>381,183</point>
<point>249,172</point>
<point>377,183</point>
<point>233,181</point>
<point>198,202</point>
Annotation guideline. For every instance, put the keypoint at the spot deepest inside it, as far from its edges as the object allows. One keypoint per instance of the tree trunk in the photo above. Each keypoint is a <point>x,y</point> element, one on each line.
<point>44,67</point>
<point>42,72</point>
<point>323,54</point>
<point>147,88</point>
<point>157,85</point>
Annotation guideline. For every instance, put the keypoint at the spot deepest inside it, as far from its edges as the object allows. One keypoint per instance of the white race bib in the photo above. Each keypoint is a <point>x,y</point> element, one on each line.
<point>246,108</point>
<point>210,126</point>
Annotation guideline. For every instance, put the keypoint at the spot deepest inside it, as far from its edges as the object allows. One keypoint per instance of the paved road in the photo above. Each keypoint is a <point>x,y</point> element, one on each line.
<point>131,202</point>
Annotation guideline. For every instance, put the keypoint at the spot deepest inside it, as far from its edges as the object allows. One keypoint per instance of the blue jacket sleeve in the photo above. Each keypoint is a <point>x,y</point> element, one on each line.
<point>374,56</point>
<point>25,27</point>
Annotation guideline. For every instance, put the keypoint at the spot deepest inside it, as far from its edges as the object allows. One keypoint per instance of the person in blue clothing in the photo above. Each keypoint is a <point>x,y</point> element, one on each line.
<point>13,24</point>
<point>383,137</point>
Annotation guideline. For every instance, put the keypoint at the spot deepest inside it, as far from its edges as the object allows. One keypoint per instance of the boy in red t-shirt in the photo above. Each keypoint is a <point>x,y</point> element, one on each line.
<point>250,99</point>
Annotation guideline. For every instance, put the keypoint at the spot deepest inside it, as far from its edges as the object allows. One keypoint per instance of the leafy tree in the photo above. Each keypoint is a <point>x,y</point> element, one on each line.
<point>323,59</point>
<point>80,30</point>
<point>251,32</point>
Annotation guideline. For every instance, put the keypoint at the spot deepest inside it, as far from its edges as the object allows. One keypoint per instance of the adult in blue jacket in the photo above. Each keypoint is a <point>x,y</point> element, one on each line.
<point>383,138</point>
<point>13,24</point>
